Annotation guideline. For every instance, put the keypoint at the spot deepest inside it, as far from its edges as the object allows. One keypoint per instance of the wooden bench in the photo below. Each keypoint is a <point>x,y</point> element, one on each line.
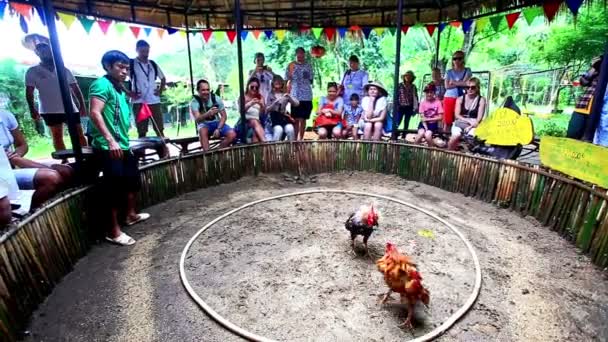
<point>183,144</point>
<point>139,147</point>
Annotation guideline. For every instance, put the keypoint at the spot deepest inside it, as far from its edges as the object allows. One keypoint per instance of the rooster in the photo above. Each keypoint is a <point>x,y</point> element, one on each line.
<point>401,276</point>
<point>362,222</point>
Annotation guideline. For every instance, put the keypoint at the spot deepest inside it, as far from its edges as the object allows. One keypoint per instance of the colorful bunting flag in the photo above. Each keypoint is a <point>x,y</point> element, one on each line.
<point>512,18</point>
<point>244,34</point>
<point>87,24</point>
<point>481,23</point>
<point>24,9</point>
<point>466,25</point>
<point>171,30</point>
<point>404,29</point>
<point>455,24</point>
<point>104,25</point>
<point>379,31</point>
<point>135,30</point>
<point>256,34</point>
<point>147,31</point>
<point>207,35</point>
<point>160,32</point>
<point>280,34</point>
<point>574,5</point>
<point>23,24</point>
<point>2,8</point>
<point>431,29</point>
<point>268,34</point>
<point>218,36</point>
<point>342,31</point>
<point>442,26</point>
<point>231,35</point>
<point>316,32</point>
<point>303,28</point>
<point>392,30</point>
<point>183,33</point>
<point>40,12</point>
<point>120,28</point>
<point>551,7</point>
<point>532,13</point>
<point>495,22</point>
<point>366,31</point>
<point>330,32</point>
<point>355,28</point>
<point>66,19</point>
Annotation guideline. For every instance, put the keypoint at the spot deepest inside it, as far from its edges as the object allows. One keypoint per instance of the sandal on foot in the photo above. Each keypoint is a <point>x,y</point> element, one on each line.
<point>140,218</point>
<point>122,239</point>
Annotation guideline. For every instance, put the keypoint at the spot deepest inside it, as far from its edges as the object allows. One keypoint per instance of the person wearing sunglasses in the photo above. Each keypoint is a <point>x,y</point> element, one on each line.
<point>455,81</point>
<point>263,73</point>
<point>470,109</point>
<point>254,107</point>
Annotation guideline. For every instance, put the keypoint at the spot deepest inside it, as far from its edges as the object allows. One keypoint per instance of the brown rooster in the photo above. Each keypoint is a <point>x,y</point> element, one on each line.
<point>362,222</point>
<point>401,276</point>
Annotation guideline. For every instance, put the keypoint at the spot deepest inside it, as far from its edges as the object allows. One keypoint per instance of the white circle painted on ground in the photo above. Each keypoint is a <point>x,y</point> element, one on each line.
<point>254,337</point>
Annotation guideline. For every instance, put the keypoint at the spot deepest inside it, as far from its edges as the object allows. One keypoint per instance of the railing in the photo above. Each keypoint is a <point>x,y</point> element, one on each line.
<point>35,255</point>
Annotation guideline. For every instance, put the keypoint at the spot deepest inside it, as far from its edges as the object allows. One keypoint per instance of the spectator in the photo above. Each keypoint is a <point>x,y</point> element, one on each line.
<point>277,101</point>
<point>8,190</point>
<point>470,109</point>
<point>374,111</point>
<point>354,80</point>
<point>601,135</point>
<point>299,75</point>
<point>47,181</point>
<point>43,78</point>
<point>439,83</point>
<point>328,122</point>
<point>408,103</point>
<point>220,91</point>
<point>263,73</point>
<point>210,117</point>
<point>254,107</point>
<point>582,108</point>
<point>455,83</point>
<point>110,115</point>
<point>431,112</point>
<point>6,214</point>
<point>352,115</point>
<point>143,75</point>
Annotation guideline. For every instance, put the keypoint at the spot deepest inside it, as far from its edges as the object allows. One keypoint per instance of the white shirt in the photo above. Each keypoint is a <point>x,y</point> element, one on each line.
<point>8,182</point>
<point>47,84</point>
<point>146,82</point>
<point>380,105</point>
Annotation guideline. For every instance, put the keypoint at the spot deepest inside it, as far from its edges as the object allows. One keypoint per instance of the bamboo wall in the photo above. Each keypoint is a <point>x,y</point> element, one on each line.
<point>44,248</point>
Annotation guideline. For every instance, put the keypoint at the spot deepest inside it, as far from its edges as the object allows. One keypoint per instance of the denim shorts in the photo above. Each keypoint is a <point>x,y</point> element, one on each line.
<point>25,178</point>
<point>212,126</point>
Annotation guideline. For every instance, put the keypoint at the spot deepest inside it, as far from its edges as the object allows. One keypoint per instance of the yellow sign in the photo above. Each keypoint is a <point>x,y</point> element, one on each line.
<point>506,128</point>
<point>576,158</point>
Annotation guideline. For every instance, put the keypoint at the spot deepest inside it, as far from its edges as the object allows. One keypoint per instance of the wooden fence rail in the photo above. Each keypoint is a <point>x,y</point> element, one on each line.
<point>35,255</point>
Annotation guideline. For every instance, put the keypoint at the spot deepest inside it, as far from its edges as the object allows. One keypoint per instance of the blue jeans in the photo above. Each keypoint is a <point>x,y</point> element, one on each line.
<point>212,126</point>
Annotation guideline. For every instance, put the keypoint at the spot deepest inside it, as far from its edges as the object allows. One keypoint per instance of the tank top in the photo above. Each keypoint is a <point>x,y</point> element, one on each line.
<point>471,113</point>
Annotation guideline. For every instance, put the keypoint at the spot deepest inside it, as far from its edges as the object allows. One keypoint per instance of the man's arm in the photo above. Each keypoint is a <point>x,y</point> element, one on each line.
<point>80,98</point>
<point>223,117</point>
<point>29,97</point>
<point>96,108</point>
<point>20,144</point>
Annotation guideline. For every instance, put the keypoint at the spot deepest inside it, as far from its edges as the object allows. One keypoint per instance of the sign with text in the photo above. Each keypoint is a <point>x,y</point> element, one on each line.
<point>576,158</point>
<point>506,128</point>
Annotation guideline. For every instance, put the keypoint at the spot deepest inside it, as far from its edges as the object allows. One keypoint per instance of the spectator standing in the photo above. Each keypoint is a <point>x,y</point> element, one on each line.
<point>455,83</point>
<point>352,115</point>
<point>110,115</point>
<point>470,109</point>
<point>431,112</point>
<point>263,73</point>
<point>408,103</point>
<point>582,108</point>
<point>143,74</point>
<point>43,78</point>
<point>374,111</point>
<point>601,135</point>
<point>354,80</point>
<point>328,122</point>
<point>299,75</point>
<point>210,117</point>
<point>276,107</point>
<point>439,83</point>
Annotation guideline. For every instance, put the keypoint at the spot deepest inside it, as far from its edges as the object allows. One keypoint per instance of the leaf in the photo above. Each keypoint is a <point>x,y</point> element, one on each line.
<point>427,233</point>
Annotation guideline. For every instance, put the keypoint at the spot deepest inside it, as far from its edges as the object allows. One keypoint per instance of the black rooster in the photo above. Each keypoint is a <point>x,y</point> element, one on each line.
<point>362,222</point>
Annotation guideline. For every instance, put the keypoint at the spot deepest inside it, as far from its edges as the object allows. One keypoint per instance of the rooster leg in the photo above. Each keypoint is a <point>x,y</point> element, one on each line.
<point>410,314</point>
<point>386,297</point>
<point>352,243</point>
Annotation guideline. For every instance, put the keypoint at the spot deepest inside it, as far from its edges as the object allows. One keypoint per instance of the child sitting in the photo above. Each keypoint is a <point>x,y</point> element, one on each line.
<point>431,112</point>
<point>352,114</point>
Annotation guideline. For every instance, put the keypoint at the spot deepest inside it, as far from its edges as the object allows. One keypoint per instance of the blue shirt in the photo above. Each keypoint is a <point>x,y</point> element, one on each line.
<point>353,82</point>
<point>351,113</point>
<point>453,75</point>
<point>601,135</point>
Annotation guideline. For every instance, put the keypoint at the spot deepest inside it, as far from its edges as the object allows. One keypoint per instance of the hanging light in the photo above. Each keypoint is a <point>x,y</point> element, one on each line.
<point>317,51</point>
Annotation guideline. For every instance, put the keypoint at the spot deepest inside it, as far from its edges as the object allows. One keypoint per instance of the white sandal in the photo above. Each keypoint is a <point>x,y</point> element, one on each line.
<point>122,239</point>
<point>141,217</point>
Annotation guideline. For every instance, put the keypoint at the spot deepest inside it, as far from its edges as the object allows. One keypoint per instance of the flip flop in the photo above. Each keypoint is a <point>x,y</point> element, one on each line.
<point>140,218</point>
<point>122,239</point>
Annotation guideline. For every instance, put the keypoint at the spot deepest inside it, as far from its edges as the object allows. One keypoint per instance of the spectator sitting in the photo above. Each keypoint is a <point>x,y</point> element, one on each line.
<point>277,101</point>
<point>352,115</point>
<point>328,122</point>
<point>210,116</point>
<point>470,109</point>
<point>8,189</point>
<point>431,112</point>
<point>254,106</point>
<point>6,214</point>
<point>47,181</point>
<point>374,111</point>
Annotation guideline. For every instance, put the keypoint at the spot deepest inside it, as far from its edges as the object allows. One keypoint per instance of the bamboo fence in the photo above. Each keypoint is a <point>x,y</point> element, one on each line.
<point>35,255</point>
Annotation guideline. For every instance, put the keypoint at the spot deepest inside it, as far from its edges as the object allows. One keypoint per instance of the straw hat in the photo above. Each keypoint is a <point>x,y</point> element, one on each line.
<point>31,40</point>
<point>378,85</point>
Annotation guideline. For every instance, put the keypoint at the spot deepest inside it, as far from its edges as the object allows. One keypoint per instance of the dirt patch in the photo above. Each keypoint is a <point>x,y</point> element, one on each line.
<point>284,269</point>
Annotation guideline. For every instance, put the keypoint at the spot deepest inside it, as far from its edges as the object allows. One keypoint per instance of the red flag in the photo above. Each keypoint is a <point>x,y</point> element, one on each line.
<point>512,18</point>
<point>551,7</point>
<point>231,35</point>
<point>355,28</point>
<point>104,25</point>
<point>144,113</point>
<point>256,34</point>
<point>330,32</point>
<point>404,29</point>
<point>455,24</point>
<point>431,29</point>
<point>135,30</point>
<point>207,35</point>
<point>23,9</point>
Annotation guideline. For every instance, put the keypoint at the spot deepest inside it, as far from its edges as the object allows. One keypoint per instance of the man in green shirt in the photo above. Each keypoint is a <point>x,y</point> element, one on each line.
<point>109,111</point>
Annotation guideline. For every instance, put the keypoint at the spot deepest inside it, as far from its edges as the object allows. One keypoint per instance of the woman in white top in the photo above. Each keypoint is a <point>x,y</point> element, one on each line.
<point>254,106</point>
<point>374,111</point>
<point>263,73</point>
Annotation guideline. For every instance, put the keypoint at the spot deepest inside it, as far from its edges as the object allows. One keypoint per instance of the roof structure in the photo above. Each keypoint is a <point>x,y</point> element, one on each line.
<point>272,14</point>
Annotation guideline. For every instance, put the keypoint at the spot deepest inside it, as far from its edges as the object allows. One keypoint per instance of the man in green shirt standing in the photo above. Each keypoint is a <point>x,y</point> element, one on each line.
<point>110,112</point>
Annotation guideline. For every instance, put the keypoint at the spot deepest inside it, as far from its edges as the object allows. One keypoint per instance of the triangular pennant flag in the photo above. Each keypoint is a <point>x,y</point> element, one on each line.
<point>330,32</point>
<point>24,9</point>
<point>218,36</point>
<point>532,13</point>
<point>147,31</point>
<point>316,32</point>
<point>392,30</point>
<point>455,24</point>
<point>40,12</point>
<point>66,19</point>
<point>244,34</point>
<point>355,28</point>
<point>135,30</point>
<point>23,24</point>
<point>512,18</point>
<point>366,31</point>
<point>256,34</point>
<point>379,31</point>
<point>231,35</point>
<point>120,28</point>
<point>207,35</point>
<point>342,32</point>
<point>495,22</point>
<point>171,30</point>
<point>404,29</point>
<point>160,32</point>
<point>431,29</point>
<point>2,8</point>
<point>104,25</point>
<point>481,23</point>
<point>302,29</point>
<point>551,7</point>
<point>442,26</point>
<point>466,25</point>
<point>280,34</point>
<point>183,33</point>
<point>268,34</point>
<point>87,24</point>
<point>574,5</point>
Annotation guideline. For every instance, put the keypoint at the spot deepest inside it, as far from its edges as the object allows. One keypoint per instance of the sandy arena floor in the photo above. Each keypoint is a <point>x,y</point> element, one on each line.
<point>284,269</point>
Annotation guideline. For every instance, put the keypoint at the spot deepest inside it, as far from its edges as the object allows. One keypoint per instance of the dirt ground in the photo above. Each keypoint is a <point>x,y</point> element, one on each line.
<point>284,269</point>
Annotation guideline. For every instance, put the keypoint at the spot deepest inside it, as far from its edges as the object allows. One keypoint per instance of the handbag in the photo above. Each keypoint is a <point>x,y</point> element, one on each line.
<point>322,120</point>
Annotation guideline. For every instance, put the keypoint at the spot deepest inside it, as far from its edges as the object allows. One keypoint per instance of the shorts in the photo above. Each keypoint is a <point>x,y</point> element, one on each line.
<point>119,176</point>
<point>457,130</point>
<point>449,109</point>
<point>54,119</point>
<point>212,126</point>
<point>302,111</point>
<point>433,126</point>
<point>25,178</point>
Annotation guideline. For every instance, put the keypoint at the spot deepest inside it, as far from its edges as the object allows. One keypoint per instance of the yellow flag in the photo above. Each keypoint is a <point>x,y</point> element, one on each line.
<point>280,34</point>
<point>219,36</point>
<point>182,33</point>
<point>481,23</point>
<point>66,19</point>
<point>379,31</point>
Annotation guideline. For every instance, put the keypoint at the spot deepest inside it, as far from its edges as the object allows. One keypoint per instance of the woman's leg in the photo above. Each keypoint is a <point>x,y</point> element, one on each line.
<point>336,132</point>
<point>367,130</point>
<point>428,136</point>
<point>301,129</point>
<point>355,133</point>
<point>377,130</point>
<point>290,132</point>
<point>258,130</point>
<point>322,132</point>
<point>277,133</point>
<point>407,115</point>
<point>397,118</point>
<point>419,136</point>
<point>454,141</point>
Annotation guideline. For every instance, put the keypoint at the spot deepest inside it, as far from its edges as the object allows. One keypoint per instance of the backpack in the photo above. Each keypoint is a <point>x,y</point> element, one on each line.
<point>202,106</point>
<point>132,73</point>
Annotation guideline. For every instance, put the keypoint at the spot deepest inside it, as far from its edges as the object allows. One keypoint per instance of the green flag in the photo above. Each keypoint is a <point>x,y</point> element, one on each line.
<point>316,31</point>
<point>86,23</point>
<point>495,22</point>
<point>531,13</point>
<point>120,28</point>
